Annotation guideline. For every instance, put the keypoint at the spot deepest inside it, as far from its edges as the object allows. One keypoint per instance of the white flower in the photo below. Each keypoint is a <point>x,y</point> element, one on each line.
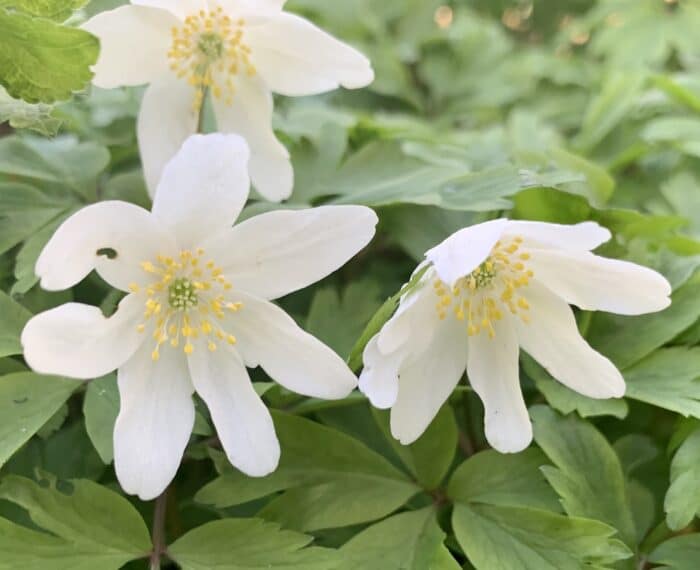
<point>198,310</point>
<point>239,50</point>
<point>487,291</point>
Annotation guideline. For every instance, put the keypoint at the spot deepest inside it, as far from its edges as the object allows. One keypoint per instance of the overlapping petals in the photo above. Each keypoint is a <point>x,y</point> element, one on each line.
<point>490,290</point>
<point>248,50</point>
<point>192,322</point>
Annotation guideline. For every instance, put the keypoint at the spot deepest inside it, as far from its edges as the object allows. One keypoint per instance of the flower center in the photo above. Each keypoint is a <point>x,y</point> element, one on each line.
<point>482,297</point>
<point>187,300</point>
<point>208,51</point>
<point>182,294</point>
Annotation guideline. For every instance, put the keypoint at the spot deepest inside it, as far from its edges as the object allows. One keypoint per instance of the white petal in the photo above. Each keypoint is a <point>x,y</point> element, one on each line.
<point>203,188</point>
<point>379,380</point>
<point>552,338</point>
<point>269,337</point>
<point>72,252</point>
<point>492,366</point>
<point>276,253</point>
<point>155,421</point>
<point>250,115</point>
<point>426,381</point>
<point>180,8</point>
<point>242,421</point>
<point>165,120</point>
<point>465,250</point>
<point>578,237</point>
<point>598,284</point>
<point>251,10</point>
<point>413,322</point>
<point>296,58</point>
<point>77,341</point>
<point>124,61</point>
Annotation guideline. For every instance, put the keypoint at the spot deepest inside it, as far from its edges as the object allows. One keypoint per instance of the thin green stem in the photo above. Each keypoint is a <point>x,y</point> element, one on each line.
<point>158,531</point>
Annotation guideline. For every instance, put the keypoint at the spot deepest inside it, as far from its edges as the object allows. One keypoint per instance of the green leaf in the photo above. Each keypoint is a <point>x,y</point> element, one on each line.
<point>43,62</point>
<point>330,480</point>
<point>619,339</point>
<point>588,475</point>
<point>29,253</point>
<point>91,527</point>
<point>504,517</point>
<point>64,161</point>
<point>682,133</point>
<point>635,450</point>
<point>58,10</point>
<point>66,454</point>
<point>316,163</point>
<point>430,456</point>
<point>359,302</point>
<point>530,539</point>
<point>682,502</point>
<point>101,407</point>
<point>619,95</point>
<point>24,210</point>
<point>678,553</point>
<point>19,114</point>
<point>245,544</point>
<point>14,317</point>
<point>669,378</point>
<point>27,402</point>
<point>565,400</point>
<point>681,193</point>
<point>496,479</point>
<point>416,229</point>
<point>381,174</point>
<point>407,541</point>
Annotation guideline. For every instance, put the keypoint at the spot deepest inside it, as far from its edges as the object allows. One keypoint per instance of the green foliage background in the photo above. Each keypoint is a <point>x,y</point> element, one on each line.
<point>557,110</point>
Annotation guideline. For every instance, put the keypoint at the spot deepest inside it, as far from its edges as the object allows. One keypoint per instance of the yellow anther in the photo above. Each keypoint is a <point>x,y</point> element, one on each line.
<point>155,356</point>
<point>211,346</point>
<point>189,348</point>
<point>141,328</point>
<point>525,256</point>
<point>523,304</point>
<point>231,339</point>
<point>148,267</point>
<point>134,287</point>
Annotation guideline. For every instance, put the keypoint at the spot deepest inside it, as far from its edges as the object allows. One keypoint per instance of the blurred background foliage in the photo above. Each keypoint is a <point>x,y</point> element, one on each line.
<point>554,110</point>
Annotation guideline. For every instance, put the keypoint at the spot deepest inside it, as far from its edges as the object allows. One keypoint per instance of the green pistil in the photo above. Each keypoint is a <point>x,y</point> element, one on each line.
<point>211,45</point>
<point>182,294</point>
<point>483,275</point>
